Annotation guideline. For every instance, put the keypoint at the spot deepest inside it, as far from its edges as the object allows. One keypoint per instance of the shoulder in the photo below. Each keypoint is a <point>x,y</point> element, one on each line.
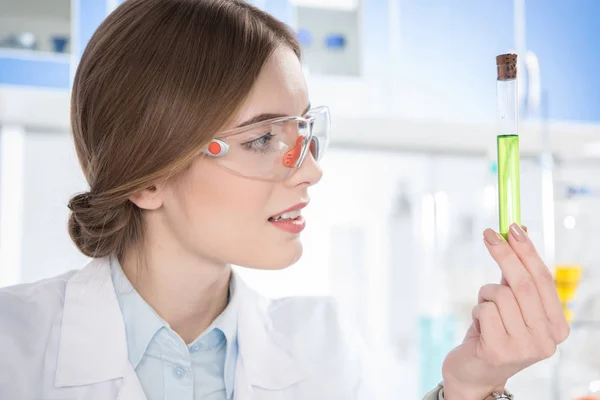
<point>28,311</point>
<point>320,334</point>
<point>292,315</point>
<point>317,328</point>
<point>30,319</point>
<point>33,298</point>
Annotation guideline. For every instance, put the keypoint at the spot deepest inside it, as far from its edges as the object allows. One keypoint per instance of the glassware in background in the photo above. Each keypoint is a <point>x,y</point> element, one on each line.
<point>60,44</point>
<point>403,252</point>
<point>22,41</point>
<point>592,392</point>
<point>578,284</point>
<point>579,361</point>
<point>30,41</point>
<point>567,279</point>
<point>575,209</point>
<point>437,318</point>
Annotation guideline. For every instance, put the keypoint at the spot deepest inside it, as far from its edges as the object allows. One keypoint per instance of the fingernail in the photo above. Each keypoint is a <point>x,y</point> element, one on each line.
<point>518,233</point>
<point>492,237</point>
<point>525,229</point>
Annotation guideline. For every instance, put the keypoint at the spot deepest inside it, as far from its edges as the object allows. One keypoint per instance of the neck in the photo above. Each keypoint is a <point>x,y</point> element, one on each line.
<point>187,292</point>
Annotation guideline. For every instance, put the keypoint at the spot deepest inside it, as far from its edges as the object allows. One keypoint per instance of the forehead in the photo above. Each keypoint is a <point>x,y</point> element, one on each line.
<point>279,89</point>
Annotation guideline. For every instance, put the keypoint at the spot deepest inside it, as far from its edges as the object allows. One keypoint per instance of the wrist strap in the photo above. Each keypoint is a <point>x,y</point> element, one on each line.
<point>495,395</point>
<point>505,395</point>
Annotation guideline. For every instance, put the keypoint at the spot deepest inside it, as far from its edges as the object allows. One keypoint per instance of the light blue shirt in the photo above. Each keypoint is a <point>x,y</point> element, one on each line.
<point>167,368</point>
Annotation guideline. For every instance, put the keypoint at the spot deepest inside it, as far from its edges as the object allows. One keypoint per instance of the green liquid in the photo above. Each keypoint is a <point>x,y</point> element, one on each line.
<point>509,182</point>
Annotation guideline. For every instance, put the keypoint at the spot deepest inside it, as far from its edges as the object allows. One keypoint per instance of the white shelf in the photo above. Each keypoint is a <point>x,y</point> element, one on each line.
<point>568,140</point>
<point>35,55</point>
<point>346,5</point>
<point>34,107</point>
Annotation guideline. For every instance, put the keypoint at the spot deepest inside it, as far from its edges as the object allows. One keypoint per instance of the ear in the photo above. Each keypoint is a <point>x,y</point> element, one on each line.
<point>150,198</point>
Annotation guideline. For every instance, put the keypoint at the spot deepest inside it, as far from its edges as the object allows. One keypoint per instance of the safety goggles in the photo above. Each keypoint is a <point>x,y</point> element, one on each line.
<point>272,150</point>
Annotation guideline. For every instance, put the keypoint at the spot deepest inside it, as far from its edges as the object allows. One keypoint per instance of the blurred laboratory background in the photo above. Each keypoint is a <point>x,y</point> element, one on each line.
<point>395,227</point>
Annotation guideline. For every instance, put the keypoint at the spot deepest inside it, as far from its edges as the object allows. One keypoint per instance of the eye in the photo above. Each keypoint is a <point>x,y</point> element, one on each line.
<point>260,144</point>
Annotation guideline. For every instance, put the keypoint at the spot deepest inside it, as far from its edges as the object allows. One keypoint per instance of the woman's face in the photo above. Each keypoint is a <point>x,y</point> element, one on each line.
<point>226,218</point>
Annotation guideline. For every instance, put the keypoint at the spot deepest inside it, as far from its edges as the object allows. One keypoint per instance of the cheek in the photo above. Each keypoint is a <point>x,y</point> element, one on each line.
<point>217,210</point>
<point>216,190</point>
<point>220,216</point>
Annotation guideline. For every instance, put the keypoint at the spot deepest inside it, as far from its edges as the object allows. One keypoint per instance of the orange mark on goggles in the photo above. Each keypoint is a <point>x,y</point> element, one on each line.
<point>216,148</point>
<point>290,159</point>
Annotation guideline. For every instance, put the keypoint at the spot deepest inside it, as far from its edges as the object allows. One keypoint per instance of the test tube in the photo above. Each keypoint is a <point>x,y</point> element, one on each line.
<point>509,186</point>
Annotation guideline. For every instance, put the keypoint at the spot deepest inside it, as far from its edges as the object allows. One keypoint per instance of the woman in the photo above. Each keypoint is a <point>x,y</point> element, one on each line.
<point>193,126</point>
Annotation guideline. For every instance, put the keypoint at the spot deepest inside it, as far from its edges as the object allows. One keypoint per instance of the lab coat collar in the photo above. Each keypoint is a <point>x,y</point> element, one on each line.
<point>93,344</point>
<point>268,357</point>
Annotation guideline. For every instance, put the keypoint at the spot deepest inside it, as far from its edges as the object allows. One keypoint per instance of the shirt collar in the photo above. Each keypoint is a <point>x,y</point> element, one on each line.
<point>142,323</point>
<point>227,323</point>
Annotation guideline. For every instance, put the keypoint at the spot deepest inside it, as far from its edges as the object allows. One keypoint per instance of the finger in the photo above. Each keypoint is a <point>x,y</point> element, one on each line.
<point>503,280</point>
<point>525,250</point>
<point>507,305</point>
<point>490,323</point>
<point>519,280</point>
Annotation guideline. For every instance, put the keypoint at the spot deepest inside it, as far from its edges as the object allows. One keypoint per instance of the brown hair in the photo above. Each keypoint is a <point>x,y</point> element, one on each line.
<point>156,82</point>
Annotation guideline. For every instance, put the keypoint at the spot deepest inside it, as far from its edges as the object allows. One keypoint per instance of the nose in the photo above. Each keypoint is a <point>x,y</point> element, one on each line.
<point>309,173</point>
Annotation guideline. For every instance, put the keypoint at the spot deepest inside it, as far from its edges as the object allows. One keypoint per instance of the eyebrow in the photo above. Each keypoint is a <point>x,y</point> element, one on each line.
<point>267,116</point>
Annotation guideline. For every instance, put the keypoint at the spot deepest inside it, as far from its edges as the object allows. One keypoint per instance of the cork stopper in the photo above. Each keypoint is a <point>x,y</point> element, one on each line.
<point>507,67</point>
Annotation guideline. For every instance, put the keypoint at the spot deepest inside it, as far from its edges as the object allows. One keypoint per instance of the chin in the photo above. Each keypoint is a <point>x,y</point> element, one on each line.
<point>281,257</point>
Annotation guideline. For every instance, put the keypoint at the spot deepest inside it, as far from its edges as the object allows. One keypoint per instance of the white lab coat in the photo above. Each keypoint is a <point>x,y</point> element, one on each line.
<point>64,338</point>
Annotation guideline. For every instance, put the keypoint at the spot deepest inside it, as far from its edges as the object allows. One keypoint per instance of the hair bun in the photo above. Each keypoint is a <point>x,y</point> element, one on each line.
<point>96,226</point>
<point>79,202</point>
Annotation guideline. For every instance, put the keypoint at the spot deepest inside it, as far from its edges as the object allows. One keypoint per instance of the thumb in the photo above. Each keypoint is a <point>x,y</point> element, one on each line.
<point>473,333</point>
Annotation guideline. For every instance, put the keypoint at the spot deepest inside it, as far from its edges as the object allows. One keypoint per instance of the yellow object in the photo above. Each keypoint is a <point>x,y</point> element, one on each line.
<point>568,313</point>
<point>567,278</point>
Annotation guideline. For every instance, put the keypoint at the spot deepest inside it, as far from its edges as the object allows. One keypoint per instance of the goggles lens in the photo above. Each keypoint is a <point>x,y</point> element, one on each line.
<point>274,150</point>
